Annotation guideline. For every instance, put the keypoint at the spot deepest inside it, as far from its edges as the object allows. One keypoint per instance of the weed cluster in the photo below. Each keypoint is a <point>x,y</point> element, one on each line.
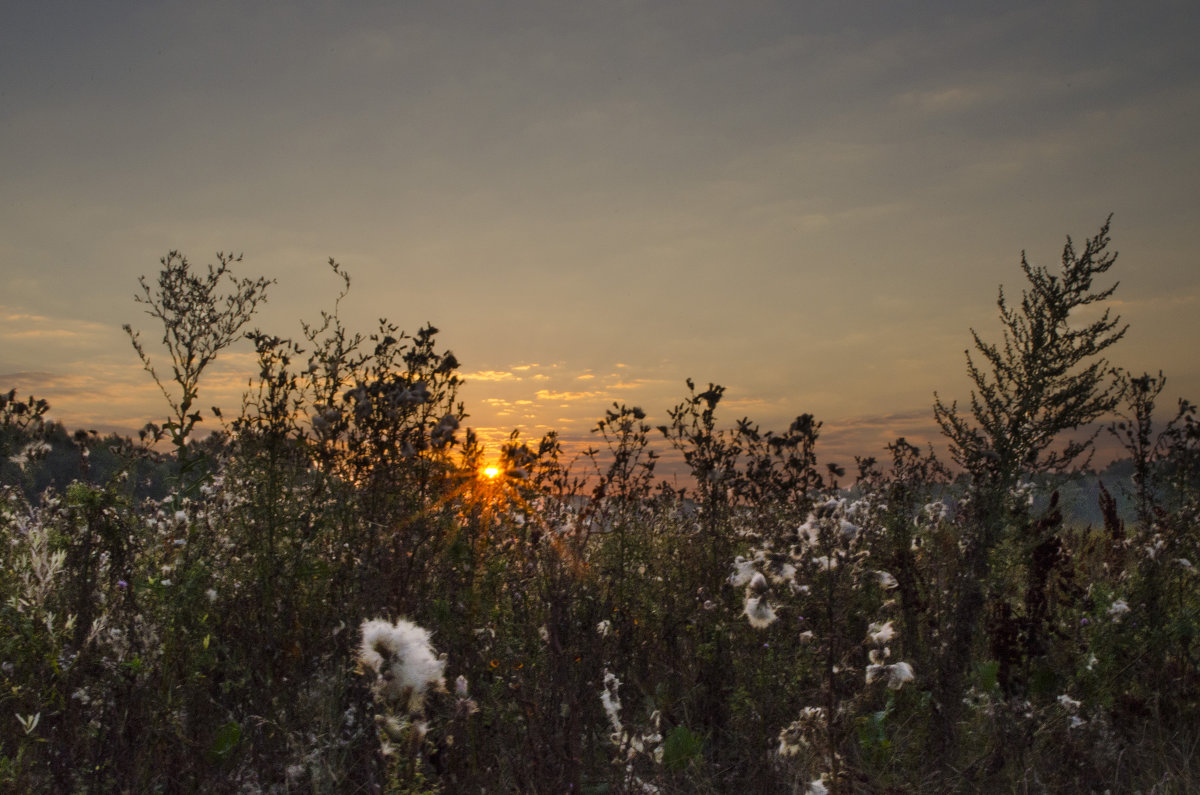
<point>285,615</point>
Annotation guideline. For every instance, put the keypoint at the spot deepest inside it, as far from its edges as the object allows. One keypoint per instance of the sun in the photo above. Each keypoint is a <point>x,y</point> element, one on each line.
<point>491,472</point>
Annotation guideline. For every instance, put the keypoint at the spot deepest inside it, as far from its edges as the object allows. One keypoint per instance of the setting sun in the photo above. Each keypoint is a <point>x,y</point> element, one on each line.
<point>491,472</point>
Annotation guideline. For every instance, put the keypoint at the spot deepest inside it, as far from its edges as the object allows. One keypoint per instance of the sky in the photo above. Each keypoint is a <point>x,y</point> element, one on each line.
<point>811,204</point>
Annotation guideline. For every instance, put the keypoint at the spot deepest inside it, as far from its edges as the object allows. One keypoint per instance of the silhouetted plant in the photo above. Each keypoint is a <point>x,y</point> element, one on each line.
<point>199,320</point>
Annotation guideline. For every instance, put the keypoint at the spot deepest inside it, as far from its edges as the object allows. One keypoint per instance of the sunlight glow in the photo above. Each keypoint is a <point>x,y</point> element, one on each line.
<point>491,472</point>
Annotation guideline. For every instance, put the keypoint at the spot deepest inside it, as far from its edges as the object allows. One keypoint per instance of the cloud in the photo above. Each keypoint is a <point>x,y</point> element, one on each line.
<point>491,375</point>
<point>20,327</point>
<point>547,394</point>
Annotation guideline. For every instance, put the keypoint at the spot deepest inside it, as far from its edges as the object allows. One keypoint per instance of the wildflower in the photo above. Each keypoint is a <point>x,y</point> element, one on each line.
<point>1187,564</point>
<point>403,661</point>
<point>1076,722</point>
<point>809,532</point>
<point>900,674</point>
<point>790,741</point>
<point>211,594</point>
<point>880,633</point>
<point>796,735</point>
<point>759,611</point>
<point>816,787</point>
<point>1068,703</point>
<point>612,702</point>
<point>887,581</point>
<point>780,569</point>
<point>603,628</point>
<point>1118,609</point>
<point>743,570</point>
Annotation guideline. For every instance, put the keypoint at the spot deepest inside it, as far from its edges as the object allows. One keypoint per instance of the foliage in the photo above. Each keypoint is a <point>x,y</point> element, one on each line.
<point>345,604</point>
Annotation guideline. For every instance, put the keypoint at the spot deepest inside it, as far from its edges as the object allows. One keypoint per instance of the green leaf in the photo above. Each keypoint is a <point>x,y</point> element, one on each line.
<point>681,747</point>
<point>228,736</point>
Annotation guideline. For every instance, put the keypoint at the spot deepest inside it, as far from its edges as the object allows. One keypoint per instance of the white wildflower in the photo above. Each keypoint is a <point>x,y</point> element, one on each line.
<point>1118,609</point>
<point>880,633</point>
<point>403,661</point>
<point>886,580</point>
<point>759,611</point>
<point>899,674</point>
<point>612,702</point>
<point>1068,703</point>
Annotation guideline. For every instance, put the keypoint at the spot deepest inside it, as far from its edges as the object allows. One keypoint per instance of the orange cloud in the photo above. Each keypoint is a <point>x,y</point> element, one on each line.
<point>491,375</point>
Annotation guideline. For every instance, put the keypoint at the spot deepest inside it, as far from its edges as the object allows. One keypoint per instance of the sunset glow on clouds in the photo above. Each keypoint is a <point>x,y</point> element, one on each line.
<point>809,205</point>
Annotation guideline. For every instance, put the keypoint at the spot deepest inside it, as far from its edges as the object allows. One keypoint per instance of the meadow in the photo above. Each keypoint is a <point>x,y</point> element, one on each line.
<point>338,592</point>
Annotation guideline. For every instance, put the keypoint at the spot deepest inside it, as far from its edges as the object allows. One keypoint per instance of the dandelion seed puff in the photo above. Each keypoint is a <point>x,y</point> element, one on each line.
<point>808,533</point>
<point>612,702</point>
<point>886,580</point>
<point>880,633</point>
<point>759,611</point>
<point>899,674</point>
<point>826,563</point>
<point>781,572</point>
<point>402,659</point>
<point>791,740</point>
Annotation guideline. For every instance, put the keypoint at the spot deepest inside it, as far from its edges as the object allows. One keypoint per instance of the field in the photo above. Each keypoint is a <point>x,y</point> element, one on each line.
<point>336,593</point>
